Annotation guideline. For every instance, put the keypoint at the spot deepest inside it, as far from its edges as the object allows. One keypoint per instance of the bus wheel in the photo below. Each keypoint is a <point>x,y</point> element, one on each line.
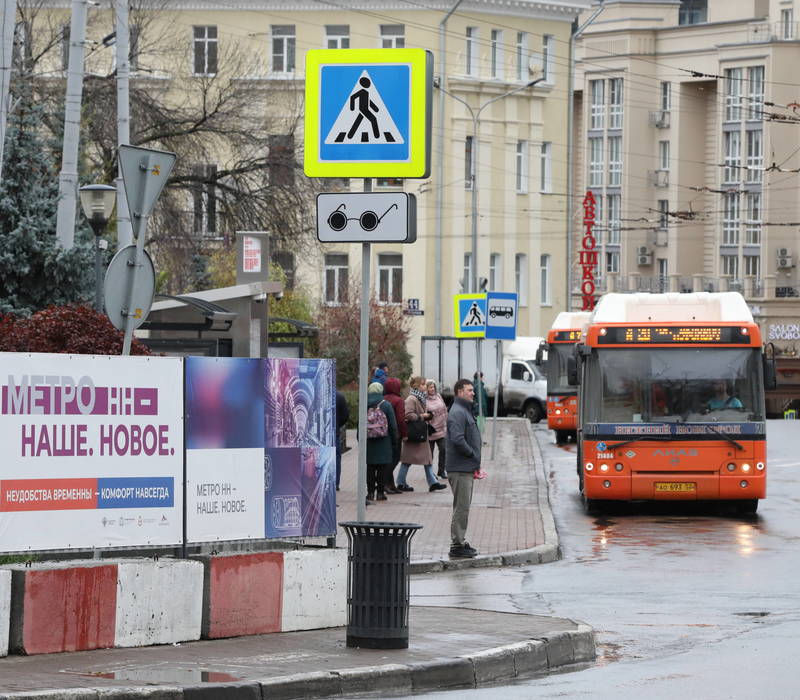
<point>748,507</point>
<point>562,437</point>
<point>592,506</point>
<point>533,411</point>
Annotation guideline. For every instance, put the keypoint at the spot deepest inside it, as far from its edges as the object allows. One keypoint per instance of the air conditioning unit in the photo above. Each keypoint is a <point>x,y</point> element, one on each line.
<point>660,119</point>
<point>643,255</point>
<point>642,250</point>
<point>785,260</point>
<point>783,252</point>
<point>659,178</point>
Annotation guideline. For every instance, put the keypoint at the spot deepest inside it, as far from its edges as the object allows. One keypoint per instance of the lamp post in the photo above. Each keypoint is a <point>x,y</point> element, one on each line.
<point>97,202</point>
<point>476,115</point>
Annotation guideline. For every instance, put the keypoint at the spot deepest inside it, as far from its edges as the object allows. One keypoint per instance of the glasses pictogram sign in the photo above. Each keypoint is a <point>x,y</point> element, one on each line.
<point>368,220</point>
<point>365,217</point>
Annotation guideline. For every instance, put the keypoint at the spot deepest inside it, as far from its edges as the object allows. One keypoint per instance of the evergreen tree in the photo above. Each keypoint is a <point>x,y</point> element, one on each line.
<point>35,271</point>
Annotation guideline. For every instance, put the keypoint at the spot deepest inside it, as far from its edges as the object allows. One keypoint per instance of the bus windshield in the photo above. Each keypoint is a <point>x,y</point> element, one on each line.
<point>557,384</point>
<point>695,385</point>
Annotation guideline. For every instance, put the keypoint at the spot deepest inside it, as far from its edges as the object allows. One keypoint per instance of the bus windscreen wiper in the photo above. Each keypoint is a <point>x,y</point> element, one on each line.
<point>641,438</point>
<point>724,435</point>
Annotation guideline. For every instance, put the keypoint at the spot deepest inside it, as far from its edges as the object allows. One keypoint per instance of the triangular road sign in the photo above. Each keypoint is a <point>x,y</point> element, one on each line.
<point>144,173</point>
<point>364,117</point>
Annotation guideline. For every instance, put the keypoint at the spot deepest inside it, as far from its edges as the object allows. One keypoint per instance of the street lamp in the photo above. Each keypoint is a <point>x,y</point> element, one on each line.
<point>97,202</point>
<point>476,115</point>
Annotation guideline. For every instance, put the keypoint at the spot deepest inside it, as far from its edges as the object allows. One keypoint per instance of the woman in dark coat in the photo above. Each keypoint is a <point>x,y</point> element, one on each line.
<point>379,449</point>
<point>417,452</point>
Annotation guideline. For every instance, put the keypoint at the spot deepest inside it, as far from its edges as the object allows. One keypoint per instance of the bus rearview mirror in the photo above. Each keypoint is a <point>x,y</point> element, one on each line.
<point>572,371</point>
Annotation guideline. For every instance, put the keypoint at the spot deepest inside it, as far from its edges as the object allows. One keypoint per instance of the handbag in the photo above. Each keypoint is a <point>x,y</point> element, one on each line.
<point>417,430</point>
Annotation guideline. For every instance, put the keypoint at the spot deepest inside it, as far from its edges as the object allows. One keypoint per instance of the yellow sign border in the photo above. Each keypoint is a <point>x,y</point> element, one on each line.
<point>418,164</point>
<point>457,317</point>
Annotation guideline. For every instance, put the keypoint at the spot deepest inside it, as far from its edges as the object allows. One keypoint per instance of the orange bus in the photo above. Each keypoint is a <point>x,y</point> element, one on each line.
<point>671,400</point>
<point>562,398</point>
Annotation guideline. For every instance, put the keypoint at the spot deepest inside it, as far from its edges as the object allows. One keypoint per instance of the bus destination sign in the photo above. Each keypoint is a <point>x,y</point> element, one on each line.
<point>673,335</point>
<point>566,336</point>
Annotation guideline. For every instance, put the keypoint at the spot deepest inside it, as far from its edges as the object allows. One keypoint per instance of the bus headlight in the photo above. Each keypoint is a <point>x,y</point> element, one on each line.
<point>603,467</point>
<point>745,467</point>
<point>558,411</point>
<point>618,467</point>
<point>606,484</point>
<point>760,466</point>
<point>731,467</point>
<point>589,466</point>
<point>743,484</point>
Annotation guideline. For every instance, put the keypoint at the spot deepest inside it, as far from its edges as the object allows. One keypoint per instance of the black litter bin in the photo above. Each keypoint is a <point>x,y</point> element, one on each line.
<point>377,583</point>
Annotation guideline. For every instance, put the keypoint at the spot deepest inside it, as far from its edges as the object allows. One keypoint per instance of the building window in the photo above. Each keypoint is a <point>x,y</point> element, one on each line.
<point>204,196</point>
<point>283,48</point>
<point>134,33</point>
<point>666,96</point>
<point>614,215</point>
<point>205,50</point>
<point>21,54</point>
<point>65,34</point>
<point>692,11</point>
<point>281,160</point>
<point>614,161</point>
<point>663,155</point>
<point>393,36</point>
<point>733,94</point>
<point>522,167</point>
<point>732,156</point>
<point>612,262</point>
<point>599,225</point>
<point>663,274</point>
<point>548,46</point>
<point>730,265</point>
<point>467,278</point>
<point>755,155</point>
<point>752,227</point>
<point>597,109</point>
<point>787,23</point>
<point>595,162</point>
<point>521,278</point>
<point>337,36</point>
<point>663,214</point>
<point>389,182</point>
<point>390,278</point>
<point>752,266</point>
<point>522,55</point>
<point>544,270</point>
<point>469,163</point>
<point>285,261</point>
<point>471,52</point>
<point>730,219</point>
<point>495,272</point>
<point>546,167</point>
<point>615,103</point>
<point>336,279</point>
<point>496,54</point>
<point>756,95</point>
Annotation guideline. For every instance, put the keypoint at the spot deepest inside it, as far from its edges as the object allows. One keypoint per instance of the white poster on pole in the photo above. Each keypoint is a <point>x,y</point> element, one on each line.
<point>93,451</point>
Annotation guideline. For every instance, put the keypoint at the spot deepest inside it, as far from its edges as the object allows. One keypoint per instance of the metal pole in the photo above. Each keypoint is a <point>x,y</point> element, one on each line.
<point>124,228</point>
<point>499,353</point>
<point>473,283</point>
<point>68,177</point>
<point>7,37</point>
<point>363,375</point>
<point>98,284</point>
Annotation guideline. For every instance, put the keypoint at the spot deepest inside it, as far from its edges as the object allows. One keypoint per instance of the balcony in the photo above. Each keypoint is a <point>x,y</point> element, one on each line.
<point>659,119</point>
<point>658,178</point>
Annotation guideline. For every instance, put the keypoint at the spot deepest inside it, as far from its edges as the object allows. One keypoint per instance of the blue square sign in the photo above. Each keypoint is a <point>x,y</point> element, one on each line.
<point>501,315</point>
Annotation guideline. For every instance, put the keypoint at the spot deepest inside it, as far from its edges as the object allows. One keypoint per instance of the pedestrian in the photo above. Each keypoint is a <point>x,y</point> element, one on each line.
<point>436,405</point>
<point>416,448</point>
<point>480,411</point>
<point>381,433</point>
<point>342,415</point>
<point>381,373</point>
<point>463,463</point>
<point>391,392</point>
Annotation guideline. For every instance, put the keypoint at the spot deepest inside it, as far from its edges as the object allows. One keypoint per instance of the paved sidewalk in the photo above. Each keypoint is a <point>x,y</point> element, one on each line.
<point>510,520</point>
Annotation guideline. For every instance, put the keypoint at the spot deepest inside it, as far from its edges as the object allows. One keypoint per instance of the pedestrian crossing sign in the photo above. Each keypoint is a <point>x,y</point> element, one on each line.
<point>469,315</point>
<point>368,113</point>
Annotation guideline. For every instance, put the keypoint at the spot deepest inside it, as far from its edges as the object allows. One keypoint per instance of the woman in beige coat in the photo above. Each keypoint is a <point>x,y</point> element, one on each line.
<point>417,452</point>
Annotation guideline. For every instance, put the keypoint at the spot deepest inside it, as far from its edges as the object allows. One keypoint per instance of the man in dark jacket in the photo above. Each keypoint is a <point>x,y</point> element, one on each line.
<point>342,414</point>
<point>462,459</point>
<point>391,392</point>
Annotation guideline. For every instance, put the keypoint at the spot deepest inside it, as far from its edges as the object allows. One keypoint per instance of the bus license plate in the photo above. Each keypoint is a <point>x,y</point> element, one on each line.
<point>675,486</point>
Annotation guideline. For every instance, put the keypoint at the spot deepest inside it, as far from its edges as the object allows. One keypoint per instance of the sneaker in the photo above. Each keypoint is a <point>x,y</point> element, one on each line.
<point>381,497</point>
<point>469,548</point>
<point>437,487</point>
<point>462,552</point>
<point>370,495</point>
<point>404,487</point>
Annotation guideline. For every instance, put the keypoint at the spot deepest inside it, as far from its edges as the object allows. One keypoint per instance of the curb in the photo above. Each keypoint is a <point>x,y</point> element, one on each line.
<point>538,655</point>
<point>545,553</point>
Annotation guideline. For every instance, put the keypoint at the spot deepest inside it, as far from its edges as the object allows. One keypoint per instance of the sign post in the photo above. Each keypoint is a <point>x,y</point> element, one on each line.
<point>367,115</point>
<point>501,324</point>
<point>144,173</point>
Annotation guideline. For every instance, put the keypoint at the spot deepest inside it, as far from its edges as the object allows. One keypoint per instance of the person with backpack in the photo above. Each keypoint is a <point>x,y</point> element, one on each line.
<point>381,435</point>
<point>415,448</point>
<point>391,392</point>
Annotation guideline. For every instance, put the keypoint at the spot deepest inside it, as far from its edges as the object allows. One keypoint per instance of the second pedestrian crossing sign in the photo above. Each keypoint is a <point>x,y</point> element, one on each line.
<point>469,315</point>
<point>368,113</point>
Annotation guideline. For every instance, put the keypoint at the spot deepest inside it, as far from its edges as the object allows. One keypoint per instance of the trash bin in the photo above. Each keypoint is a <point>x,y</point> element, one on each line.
<point>377,583</point>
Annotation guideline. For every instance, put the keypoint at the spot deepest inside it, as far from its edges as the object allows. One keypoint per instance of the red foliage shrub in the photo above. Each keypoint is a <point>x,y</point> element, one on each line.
<point>73,329</point>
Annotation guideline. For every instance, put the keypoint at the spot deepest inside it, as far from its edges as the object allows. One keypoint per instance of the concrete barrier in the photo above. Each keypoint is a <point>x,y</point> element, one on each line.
<point>242,594</point>
<point>158,602</point>
<point>5,609</point>
<point>314,589</point>
<point>63,606</point>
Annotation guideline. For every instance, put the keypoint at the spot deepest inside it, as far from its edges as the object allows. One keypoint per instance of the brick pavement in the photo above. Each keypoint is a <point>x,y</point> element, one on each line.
<point>505,514</point>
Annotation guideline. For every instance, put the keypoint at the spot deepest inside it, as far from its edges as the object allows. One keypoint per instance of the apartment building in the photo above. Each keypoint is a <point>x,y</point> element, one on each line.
<point>687,130</point>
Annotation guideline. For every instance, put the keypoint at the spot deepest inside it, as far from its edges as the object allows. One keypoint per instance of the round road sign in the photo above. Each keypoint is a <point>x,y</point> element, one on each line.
<point>117,285</point>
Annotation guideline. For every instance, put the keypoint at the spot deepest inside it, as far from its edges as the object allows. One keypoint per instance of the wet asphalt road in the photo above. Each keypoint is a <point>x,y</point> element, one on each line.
<point>685,600</point>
